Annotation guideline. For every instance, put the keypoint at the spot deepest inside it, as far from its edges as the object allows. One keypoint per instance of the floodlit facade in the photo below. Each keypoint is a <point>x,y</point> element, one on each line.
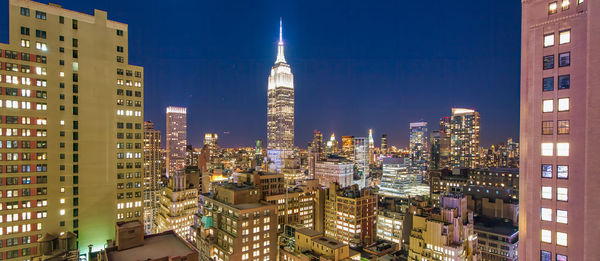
<point>464,138</point>
<point>315,153</point>
<point>419,147</point>
<point>176,138</point>
<point>559,142</point>
<point>152,174</point>
<point>178,204</point>
<point>65,163</point>
<point>335,170</point>
<point>351,215</point>
<point>348,147</point>
<point>390,225</point>
<point>280,108</point>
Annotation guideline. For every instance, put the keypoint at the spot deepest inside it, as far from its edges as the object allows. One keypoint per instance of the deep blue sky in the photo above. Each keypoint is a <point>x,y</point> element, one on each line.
<point>357,64</point>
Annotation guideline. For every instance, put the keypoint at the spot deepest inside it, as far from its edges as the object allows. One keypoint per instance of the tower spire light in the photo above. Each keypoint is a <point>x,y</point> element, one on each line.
<point>280,31</point>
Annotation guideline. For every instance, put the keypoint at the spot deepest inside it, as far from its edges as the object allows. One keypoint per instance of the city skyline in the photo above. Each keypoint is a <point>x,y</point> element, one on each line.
<point>230,56</point>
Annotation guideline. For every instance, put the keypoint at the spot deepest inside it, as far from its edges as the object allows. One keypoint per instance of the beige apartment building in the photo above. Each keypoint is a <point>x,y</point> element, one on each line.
<point>560,145</point>
<point>178,205</point>
<point>237,225</point>
<point>71,130</point>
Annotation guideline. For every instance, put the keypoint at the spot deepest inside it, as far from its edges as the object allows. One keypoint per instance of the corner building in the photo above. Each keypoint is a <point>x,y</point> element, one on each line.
<point>560,112</point>
<point>71,130</point>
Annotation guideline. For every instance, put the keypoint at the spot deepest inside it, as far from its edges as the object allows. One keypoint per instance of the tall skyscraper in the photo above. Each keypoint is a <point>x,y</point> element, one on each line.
<point>315,153</point>
<point>280,108</point>
<point>384,144</point>
<point>332,146</point>
<point>559,181</point>
<point>152,174</point>
<point>361,159</point>
<point>68,157</point>
<point>444,142</point>
<point>211,139</point>
<point>348,147</point>
<point>371,147</point>
<point>419,147</point>
<point>464,138</point>
<point>176,138</point>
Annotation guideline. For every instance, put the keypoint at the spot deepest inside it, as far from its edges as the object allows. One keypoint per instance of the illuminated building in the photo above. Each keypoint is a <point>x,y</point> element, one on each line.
<point>559,136</point>
<point>295,206</point>
<point>371,147</point>
<point>419,147</point>
<point>315,152</point>
<point>237,225</point>
<point>384,145</point>
<point>152,174</point>
<point>280,109</point>
<point>178,204</point>
<point>308,244</point>
<point>497,239</point>
<point>435,150</point>
<point>332,146</point>
<point>211,139</point>
<point>351,215</point>
<point>348,147</point>
<point>398,181</point>
<point>63,171</point>
<point>361,159</point>
<point>176,138</point>
<point>335,169</point>
<point>444,143</point>
<point>464,138</point>
<point>191,156</point>
<point>390,226</point>
<point>444,233</point>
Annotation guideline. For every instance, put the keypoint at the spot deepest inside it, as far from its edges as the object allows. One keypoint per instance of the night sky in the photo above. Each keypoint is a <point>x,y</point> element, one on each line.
<point>357,64</point>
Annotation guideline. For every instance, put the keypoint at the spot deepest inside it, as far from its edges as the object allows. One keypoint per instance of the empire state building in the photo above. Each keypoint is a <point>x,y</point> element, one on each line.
<point>280,108</point>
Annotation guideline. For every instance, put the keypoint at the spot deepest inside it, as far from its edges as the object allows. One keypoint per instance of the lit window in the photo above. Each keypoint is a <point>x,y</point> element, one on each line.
<point>546,236</point>
<point>561,239</point>
<point>548,40</point>
<point>552,8</point>
<point>547,149</point>
<point>562,194</point>
<point>545,256</point>
<point>563,104</point>
<point>62,201</point>
<point>560,257</point>
<point>562,171</point>
<point>563,126</point>
<point>62,212</point>
<point>548,106</point>
<point>564,37</point>
<point>579,2</point>
<point>546,192</point>
<point>565,5</point>
<point>547,127</point>
<point>562,149</point>
<point>546,214</point>
<point>561,216</point>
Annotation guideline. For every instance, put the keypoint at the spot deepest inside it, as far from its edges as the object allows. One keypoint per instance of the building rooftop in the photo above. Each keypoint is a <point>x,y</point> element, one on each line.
<point>329,242</point>
<point>156,246</point>
<point>309,232</point>
<point>496,226</point>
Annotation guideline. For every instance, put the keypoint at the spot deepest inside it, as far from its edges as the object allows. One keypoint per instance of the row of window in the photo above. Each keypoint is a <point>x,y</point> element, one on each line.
<point>547,256</point>
<point>13,156</point>
<point>562,149</point>
<point>128,73</point>
<point>10,104</point>
<point>561,238</point>
<point>562,194</point>
<point>564,37</point>
<point>129,93</point>
<point>15,67</point>
<point>24,80</point>
<point>561,215</point>
<point>10,181</point>
<point>562,171</point>
<point>23,56</point>
<point>562,127</point>
<point>23,168</point>
<point>564,5</point>
<point>564,82</point>
<point>563,104</point>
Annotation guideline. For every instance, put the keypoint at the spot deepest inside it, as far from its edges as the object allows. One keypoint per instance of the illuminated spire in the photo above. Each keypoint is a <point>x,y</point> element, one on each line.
<point>280,56</point>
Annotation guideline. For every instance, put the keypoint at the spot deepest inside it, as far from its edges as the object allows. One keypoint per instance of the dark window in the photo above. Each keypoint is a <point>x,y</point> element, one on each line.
<point>563,127</point>
<point>547,171</point>
<point>75,42</point>
<point>40,15</point>
<point>75,88</point>
<point>61,62</point>
<point>548,84</point>
<point>75,54</point>
<point>548,62</point>
<point>74,24</point>
<point>120,49</point>
<point>119,32</point>
<point>545,256</point>
<point>562,171</point>
<point>75,111</point>
<point>61,49</point>
<point>75,77</point>
<point>120,59</point>
<point>24,30</point>
<point>564,59</point>
<point>61,19</point>
<point>61,38</point>
<point>24,11</point>
<point>40,34</point>
<point>564,82</point>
